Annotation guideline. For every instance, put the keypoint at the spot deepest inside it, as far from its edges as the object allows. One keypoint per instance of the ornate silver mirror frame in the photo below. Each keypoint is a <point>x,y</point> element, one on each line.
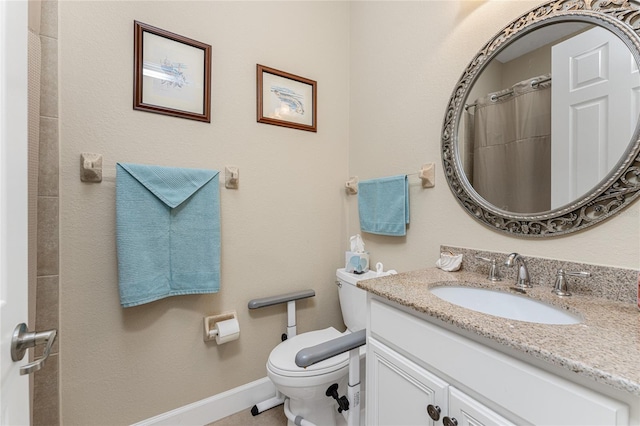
<point>619,189</point>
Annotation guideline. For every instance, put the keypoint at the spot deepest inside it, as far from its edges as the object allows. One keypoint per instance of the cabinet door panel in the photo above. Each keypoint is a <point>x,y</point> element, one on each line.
<point>469,412</point>
<point>399,391</point>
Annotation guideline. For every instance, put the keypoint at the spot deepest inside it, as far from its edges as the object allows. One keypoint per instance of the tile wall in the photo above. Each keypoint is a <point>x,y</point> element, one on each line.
<point>46,398</point>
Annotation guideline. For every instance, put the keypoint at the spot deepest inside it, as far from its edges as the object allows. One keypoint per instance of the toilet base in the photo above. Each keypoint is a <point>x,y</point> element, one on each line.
<point>318,412</point>
<point>339,418</point>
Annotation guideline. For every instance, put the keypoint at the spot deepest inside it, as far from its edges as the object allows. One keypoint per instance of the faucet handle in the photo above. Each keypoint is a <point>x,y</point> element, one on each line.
<point>560,287</point>
<point>494,272</point>
<point>581,274</point>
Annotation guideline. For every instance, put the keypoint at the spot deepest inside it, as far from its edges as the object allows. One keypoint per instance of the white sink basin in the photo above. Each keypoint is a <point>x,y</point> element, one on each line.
<point>505,305</point>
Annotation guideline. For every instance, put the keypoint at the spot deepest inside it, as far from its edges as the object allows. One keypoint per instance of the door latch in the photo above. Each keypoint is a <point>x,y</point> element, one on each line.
<point>24,339</point>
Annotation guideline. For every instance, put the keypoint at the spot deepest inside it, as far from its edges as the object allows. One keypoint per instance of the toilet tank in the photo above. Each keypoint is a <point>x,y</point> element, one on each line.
<point>353,300</point>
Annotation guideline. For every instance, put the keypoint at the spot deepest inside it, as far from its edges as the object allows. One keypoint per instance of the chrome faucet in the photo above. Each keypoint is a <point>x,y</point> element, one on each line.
<point>522,280</point>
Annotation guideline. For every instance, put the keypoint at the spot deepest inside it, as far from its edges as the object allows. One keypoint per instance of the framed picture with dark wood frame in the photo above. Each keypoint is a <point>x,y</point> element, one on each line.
<point>286,100</point>
<point>172,74</point>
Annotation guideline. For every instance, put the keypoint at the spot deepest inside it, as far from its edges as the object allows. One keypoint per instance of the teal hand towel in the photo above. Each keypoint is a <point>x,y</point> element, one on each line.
<point>383,205</point>
<point>167,232</point>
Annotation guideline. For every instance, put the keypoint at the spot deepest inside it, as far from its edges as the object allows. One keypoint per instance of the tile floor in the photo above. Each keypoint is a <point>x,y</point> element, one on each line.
<point>273,417</point>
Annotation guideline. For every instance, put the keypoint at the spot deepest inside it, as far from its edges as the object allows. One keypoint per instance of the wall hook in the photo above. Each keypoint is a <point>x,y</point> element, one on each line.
<point>352,185</point>
<point>428,175</point>
<point>231,177</point>
<point>90,167</point>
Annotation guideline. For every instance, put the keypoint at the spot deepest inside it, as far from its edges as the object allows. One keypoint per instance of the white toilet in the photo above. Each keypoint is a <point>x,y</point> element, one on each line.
<point>306,387</point>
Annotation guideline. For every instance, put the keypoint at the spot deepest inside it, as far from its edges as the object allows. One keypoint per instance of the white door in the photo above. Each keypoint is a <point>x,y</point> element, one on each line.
<point>469,412</point>
<point>14,391</point>
<point>594,110</point>
<point>400,392</point>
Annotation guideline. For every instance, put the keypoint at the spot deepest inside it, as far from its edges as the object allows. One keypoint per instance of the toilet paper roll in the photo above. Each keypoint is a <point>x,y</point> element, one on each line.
<point>227,331</point>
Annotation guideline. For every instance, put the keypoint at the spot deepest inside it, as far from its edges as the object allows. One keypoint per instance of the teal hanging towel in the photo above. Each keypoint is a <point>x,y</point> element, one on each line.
<point>383,205</point>
<point>167,232</point>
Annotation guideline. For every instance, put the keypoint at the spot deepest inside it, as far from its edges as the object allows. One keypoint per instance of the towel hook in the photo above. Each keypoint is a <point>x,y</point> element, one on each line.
<point>428,175</point>
<point>352,185</point>
<point>231,177</point>
<point>90,167</point>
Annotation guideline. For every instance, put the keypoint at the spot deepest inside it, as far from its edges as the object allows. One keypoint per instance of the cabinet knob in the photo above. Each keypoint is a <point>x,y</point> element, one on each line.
<point>434,412</point>
<point>449,421</point>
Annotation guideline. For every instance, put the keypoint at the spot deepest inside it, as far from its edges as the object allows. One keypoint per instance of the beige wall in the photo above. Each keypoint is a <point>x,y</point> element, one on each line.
<point>406,58</point>
<point>385,72</point>
<point>284,229</point>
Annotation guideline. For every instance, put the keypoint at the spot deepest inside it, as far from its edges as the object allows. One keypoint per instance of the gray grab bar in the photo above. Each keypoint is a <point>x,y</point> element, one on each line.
<point>275,300</point>
<point>311,355</point>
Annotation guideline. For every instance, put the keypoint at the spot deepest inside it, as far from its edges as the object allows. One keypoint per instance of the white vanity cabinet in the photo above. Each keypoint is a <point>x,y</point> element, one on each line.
<point>413,363</point>
<point>403,393</point>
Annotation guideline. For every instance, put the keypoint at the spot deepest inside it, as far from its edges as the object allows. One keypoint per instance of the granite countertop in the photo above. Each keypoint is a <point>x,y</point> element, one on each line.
<point>604,347</point>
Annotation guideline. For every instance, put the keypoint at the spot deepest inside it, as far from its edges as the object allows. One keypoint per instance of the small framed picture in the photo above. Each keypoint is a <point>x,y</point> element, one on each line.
<point>286,100</point>
<point>172,74</point>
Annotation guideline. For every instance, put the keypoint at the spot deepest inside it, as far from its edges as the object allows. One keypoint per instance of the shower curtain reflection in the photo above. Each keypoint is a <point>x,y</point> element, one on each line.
<point>510,136</point>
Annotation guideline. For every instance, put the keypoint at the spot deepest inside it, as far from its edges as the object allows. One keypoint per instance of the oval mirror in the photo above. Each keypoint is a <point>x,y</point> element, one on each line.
<point>541,134</point>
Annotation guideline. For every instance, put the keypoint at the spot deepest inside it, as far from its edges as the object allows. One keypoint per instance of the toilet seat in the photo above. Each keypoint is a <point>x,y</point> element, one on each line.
<point>282,358</point>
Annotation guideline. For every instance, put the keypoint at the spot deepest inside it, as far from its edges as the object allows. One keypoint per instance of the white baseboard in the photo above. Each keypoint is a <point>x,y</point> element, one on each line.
<point>216,407</point>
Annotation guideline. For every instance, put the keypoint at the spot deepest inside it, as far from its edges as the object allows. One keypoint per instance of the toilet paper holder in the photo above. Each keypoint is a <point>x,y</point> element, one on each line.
<point>210,330</point>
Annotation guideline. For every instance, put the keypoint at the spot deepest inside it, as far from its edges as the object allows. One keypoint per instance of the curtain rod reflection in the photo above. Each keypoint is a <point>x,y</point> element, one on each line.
<point>494,97</point>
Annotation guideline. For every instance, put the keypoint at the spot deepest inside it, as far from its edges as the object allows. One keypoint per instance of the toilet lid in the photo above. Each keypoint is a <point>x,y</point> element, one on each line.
<point>282,358</point>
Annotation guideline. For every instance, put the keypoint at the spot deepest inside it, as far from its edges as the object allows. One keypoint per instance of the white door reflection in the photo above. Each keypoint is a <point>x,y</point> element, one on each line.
<point>594,110</point>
